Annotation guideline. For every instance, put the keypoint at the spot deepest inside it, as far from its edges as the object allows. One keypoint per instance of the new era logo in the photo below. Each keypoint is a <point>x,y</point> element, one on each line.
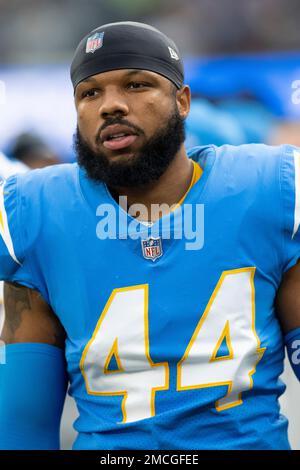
<point>173,53</point>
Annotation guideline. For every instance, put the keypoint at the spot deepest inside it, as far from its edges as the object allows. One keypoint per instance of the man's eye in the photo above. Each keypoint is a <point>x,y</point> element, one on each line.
<point>136,85</point>
<point>88,93</point>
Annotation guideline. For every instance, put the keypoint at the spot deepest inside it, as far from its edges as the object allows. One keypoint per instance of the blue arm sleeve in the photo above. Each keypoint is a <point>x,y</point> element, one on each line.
<point>292,341</point>
<point>33,385</point>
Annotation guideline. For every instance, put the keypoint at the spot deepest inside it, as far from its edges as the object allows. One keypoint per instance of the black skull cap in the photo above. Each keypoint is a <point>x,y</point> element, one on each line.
<point>127,45</point>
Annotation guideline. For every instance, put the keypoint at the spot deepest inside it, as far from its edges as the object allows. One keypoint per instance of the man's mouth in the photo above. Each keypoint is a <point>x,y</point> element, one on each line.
<point>117,137</point>
<point>119,141</point>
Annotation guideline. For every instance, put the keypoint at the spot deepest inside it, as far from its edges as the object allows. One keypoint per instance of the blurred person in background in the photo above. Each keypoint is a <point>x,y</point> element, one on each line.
<point>206,124</point>
<point>32,151</point>
<point>233,121</point>
<point>166,347</point>
<point>9,166</point>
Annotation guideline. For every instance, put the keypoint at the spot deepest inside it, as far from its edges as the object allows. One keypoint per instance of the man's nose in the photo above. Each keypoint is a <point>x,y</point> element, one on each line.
<point>112,103</point>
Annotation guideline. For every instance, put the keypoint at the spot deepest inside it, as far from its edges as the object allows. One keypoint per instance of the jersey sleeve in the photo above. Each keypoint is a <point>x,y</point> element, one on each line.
<point>290,192</point>
<point>14,254</point>
<point>10,247</point>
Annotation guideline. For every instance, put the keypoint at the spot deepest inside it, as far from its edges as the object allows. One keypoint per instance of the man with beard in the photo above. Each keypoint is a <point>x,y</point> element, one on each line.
<point>169,343</point>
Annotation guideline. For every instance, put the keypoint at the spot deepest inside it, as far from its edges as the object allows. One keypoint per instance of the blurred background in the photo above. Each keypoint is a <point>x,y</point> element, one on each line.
<point>242,60</point>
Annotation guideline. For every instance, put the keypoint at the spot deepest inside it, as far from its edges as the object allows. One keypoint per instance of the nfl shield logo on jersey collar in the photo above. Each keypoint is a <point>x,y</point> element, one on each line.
<point>94,42</point>
<point>152,248</point>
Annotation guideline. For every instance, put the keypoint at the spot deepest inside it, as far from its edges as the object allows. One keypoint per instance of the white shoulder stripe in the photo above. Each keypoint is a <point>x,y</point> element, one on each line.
<point>4,229</point>
<point>297,192</point>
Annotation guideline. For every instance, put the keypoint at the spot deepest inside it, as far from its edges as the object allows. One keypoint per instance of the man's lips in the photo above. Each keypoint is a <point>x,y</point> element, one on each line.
<point>117,136</point>
<point>118,143</point>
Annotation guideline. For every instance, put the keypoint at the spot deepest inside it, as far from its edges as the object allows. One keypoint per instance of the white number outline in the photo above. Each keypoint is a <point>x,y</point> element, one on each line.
<point>145,287</point>
<point>259,350</point>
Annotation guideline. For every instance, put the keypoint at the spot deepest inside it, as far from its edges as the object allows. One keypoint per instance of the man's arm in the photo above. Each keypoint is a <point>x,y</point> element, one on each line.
<point>287,305</point>
<point>288,300</point>
<point>33,380</point>
<point>29,319</point>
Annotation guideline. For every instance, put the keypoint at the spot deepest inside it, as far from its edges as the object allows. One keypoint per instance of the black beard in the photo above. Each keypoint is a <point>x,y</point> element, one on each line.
<point>147,166</point>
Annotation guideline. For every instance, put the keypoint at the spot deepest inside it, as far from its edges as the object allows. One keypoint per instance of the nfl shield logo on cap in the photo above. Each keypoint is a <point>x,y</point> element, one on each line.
<point>152,248</point>
<point>94,42</point>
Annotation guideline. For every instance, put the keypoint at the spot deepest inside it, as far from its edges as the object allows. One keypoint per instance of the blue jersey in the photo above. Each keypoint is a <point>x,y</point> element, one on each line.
<point>172,342</point>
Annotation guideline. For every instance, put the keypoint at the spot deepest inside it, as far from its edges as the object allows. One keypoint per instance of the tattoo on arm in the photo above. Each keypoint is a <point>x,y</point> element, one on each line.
<point>28,318</point>
<point>17,300</point>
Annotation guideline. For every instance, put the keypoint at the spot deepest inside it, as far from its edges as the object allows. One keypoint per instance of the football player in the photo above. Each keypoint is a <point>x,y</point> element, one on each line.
<point>169,336</point>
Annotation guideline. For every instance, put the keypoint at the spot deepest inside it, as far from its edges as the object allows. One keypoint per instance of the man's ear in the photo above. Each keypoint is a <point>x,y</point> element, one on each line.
<point>183,99</point>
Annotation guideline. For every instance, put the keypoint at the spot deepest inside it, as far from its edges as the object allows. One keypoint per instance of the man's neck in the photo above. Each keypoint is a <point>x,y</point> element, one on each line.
<point>167,191</point>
